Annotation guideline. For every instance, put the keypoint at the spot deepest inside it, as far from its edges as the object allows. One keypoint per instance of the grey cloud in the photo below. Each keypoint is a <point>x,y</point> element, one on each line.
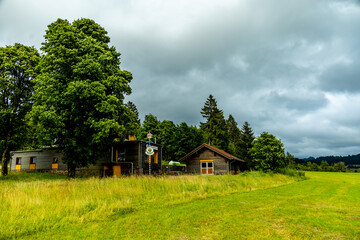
<point>287,67</point>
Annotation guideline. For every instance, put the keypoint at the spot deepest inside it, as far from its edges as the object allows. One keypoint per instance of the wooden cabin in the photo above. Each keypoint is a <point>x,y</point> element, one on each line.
<point>126,158</point>
<point>129,158</point>
<point>207,159</point>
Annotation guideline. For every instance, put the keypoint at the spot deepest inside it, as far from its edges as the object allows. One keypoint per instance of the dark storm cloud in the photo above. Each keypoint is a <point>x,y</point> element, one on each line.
<point>287,67</point>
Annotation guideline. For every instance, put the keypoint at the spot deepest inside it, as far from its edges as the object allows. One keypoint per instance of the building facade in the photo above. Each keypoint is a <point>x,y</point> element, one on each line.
<point>210,160</point>
<point>126,158</point>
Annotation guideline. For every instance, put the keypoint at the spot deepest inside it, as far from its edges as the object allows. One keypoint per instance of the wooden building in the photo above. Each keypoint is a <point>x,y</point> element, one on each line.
<point>207,159</point>
<point>125,158</point>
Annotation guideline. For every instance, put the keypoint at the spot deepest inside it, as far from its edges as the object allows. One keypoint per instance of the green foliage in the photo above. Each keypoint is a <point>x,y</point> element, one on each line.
<point>246,143</point>
<point>339,167</point>
<point>215,128</point>
<point>17,70</point>
<point>268,153</point>
<point>167,137</point>
<point>187,139</point>
<point>78,98</point>
<point>290,159</point>
<point>234,136</point>
<point>150,125</point>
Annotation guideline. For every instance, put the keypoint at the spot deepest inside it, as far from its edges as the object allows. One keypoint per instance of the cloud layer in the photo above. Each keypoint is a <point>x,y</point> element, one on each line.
<point>287,67</point>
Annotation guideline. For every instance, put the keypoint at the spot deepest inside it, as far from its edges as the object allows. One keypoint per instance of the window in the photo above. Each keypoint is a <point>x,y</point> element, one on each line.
<point>55,163</point>
<point>18,163</point>
<point>32,160</point>
<point>206,167</point>
<point>32,163</point>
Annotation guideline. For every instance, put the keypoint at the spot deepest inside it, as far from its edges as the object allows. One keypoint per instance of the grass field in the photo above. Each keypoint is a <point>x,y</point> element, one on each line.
<point>252,206</point>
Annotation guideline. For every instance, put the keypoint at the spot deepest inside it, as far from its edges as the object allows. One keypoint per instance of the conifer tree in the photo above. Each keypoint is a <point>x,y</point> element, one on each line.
<point>234,136</point>
<point>246,142</point>
<point>214,129</point>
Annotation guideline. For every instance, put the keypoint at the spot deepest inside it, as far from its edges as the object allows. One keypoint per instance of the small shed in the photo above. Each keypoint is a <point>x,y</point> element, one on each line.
<point>207,159</point>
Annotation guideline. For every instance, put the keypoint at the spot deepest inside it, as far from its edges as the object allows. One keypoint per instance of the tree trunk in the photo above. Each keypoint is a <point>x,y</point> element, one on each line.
<point>5,157</point>
<point>71,170</point>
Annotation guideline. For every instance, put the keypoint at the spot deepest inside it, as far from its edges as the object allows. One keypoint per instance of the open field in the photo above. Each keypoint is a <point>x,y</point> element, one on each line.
<point>255,206</point>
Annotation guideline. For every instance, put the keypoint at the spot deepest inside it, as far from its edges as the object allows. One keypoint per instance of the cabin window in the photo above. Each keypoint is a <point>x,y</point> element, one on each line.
<point>32,162</point>
<point>55,163</point>
<point>18,163</point>
<point>207,167</point>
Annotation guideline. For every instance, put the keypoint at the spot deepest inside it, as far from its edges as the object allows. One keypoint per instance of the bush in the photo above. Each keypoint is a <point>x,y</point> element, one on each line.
<point>291,172</point>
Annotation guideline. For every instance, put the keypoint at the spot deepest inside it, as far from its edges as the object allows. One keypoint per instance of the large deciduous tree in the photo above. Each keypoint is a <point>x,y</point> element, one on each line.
<point>17,70</point>
<point>215,128</point>
<point>78,98</point>
<point>268,153</point>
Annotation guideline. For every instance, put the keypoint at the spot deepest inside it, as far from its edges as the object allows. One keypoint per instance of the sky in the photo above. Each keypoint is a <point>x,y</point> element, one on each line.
<point>290,68</point>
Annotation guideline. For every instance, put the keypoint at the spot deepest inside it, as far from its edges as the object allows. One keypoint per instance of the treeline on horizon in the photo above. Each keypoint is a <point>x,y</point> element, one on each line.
<point>347,160</point>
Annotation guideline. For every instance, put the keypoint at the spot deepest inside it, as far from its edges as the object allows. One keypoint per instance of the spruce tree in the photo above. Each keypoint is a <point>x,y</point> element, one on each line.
<point>246,142</point>
<point>214,129</point>
<point>234,136</point>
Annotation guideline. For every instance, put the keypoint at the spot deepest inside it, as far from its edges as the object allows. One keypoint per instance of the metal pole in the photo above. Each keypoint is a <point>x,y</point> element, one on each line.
<point>149,165</point>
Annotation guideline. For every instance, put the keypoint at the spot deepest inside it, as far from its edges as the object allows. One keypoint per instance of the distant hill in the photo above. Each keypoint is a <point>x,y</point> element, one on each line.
<point>348,160</point>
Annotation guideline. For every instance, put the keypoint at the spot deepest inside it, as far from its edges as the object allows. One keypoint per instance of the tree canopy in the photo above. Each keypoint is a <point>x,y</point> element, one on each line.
<point>17,71</point>
<point>79,93</point>
<point>267,153</point>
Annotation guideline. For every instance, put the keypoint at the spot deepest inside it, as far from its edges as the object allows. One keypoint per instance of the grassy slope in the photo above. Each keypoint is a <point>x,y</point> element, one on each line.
<point>218,207</point>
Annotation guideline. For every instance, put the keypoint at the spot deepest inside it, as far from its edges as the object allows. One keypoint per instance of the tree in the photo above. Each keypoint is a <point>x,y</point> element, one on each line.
<point>339,167</point>
<point>78,98</point>
<point>150,124</point>
<point>134,109</point>
<point>324,166</point>
<point>187,139</point>
<point>268,153</point>
<point>167,137</point>
<point>17,70</point>
<point>234,136</point>
<point>246,143</point>
<point>214,129</point>
<point>134,123</point>
<point>290,159</point>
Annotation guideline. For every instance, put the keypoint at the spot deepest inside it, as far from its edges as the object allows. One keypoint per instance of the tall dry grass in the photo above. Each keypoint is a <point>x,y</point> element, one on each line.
<point>37,204</point>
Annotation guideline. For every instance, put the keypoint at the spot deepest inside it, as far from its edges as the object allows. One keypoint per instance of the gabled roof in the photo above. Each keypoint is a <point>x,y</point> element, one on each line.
<point>214,149</point>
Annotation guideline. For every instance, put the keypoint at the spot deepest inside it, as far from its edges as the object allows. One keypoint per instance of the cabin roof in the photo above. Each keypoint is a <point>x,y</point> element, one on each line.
<point>214,149</point>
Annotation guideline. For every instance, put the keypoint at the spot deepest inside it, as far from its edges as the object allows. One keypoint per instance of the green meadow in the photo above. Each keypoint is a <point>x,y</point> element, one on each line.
<point>246,206</point>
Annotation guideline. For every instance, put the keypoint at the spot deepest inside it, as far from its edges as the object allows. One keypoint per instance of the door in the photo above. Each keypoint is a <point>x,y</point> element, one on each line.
<point>207,167</point>
<point>117,170</point>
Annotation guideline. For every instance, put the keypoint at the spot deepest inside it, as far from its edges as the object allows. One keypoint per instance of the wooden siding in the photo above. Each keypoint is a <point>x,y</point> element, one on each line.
<point>43,159</point>
<point>221,165</point>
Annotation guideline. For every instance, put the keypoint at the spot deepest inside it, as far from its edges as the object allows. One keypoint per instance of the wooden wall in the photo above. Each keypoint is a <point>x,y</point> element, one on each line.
<point>221,165</point>
<point>43,159</point>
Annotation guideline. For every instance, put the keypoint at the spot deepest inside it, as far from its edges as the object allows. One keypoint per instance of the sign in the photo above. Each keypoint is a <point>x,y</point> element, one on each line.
<point>149,135</point>
<point>149,151</point>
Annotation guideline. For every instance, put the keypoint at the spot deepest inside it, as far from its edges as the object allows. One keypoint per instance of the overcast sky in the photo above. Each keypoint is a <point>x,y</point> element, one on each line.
<point>288,67</point>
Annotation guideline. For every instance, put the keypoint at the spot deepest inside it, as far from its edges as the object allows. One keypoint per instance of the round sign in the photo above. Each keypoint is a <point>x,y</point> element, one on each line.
<point>149,151</point>
<point>149,135</point>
